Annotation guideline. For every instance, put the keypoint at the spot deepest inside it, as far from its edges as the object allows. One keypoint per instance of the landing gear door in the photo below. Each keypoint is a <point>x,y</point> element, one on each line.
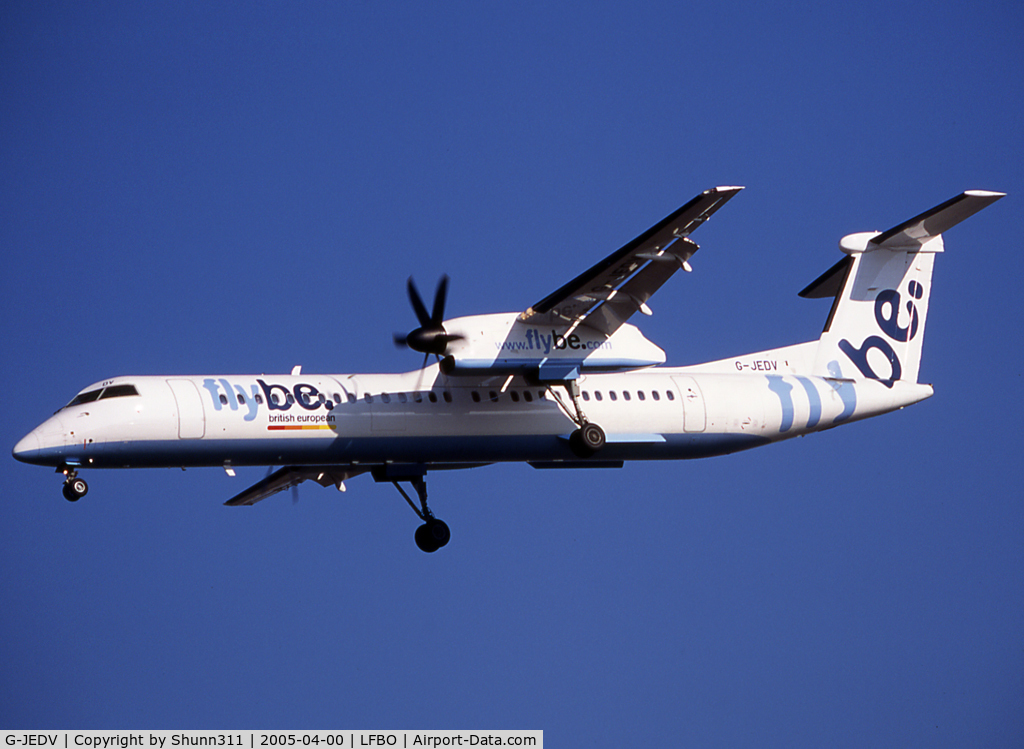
<point>191,416</point>
<point>694,413</point>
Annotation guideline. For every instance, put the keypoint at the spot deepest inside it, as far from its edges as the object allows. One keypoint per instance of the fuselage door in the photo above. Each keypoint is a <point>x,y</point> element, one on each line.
<point>191,415</point>
<point>694,413</point>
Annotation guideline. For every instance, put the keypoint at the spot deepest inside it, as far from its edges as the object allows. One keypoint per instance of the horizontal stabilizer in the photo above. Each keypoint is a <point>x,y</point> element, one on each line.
<point>918,230</point>
<point>829,283</point>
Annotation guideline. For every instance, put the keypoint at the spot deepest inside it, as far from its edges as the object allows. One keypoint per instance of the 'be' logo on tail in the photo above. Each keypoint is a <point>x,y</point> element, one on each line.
<point>887,311</point>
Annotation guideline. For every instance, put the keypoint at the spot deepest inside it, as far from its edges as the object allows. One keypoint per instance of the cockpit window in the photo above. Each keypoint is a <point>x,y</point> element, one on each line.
<point>114,391</point>
<point>118,391</point>
<point>87,397</point>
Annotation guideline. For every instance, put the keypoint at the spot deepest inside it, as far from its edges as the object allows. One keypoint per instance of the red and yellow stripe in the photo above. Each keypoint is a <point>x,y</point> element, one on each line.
<point>278,427</point>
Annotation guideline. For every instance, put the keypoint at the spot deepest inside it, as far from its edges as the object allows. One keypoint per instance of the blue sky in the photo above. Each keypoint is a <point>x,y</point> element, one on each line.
<point>226,188</point>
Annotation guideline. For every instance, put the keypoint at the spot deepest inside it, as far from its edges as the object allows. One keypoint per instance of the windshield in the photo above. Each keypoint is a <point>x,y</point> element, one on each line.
<point>113,391</point>
<point>86,397</point>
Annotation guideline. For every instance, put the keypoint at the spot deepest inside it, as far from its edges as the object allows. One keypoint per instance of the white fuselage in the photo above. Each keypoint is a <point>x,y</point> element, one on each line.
<point>428,418</point>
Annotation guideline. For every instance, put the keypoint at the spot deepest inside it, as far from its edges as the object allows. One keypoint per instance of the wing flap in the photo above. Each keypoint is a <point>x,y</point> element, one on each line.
<point>289,476</point>
<point>606,295</point>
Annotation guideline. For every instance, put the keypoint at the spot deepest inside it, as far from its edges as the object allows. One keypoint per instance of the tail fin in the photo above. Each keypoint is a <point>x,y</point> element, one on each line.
<point>882,288</point>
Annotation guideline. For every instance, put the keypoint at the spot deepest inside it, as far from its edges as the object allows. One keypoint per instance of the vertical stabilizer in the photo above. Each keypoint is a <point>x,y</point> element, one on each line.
<point>882,290</point>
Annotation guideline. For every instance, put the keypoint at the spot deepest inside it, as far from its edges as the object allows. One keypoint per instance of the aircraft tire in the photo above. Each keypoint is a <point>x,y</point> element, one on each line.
<point>75,489</point>
<point>440,532</point>
<point>432,535</point>
<point>587,440</point>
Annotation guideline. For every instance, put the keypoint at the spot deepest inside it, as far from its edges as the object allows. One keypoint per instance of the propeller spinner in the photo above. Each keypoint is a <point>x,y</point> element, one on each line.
<point>430,337</point>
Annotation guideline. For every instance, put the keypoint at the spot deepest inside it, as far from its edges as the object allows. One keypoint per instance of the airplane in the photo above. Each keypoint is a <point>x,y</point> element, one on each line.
<point>567,383</point>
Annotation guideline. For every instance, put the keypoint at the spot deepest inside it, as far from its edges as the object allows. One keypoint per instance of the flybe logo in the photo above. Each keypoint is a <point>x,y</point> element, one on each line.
<point>887,312</point>
<point>535,340</point>
<point>276,397</point>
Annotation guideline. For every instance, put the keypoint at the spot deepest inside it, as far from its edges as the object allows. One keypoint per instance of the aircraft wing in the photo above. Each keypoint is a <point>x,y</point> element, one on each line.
<point>289,476</point>
<point>605,296</point>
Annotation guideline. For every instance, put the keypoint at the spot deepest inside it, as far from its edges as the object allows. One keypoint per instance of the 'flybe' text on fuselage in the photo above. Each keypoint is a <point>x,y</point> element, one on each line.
<point>224,394</point>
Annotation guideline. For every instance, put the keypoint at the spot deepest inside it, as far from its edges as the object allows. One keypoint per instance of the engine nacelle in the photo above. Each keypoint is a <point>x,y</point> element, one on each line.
<point>503,344</point>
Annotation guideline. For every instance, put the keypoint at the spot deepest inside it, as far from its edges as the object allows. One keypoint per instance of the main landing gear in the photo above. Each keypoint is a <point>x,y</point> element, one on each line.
<point>587,440</point>
<point>434,533</point>
<point>589,437</point>
<point>74,487</point>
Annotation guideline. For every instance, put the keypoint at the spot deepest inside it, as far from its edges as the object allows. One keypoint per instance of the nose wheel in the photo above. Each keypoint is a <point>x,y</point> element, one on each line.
<point>74,487</point>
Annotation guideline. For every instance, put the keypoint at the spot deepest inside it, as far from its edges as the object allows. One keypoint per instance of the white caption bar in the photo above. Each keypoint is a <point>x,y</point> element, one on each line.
<point>267,739</point>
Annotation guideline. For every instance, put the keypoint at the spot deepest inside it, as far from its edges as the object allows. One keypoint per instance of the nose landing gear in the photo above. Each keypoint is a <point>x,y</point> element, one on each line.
<point>74,487</point>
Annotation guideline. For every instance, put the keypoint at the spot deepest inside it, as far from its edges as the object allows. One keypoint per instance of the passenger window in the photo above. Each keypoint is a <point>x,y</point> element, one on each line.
<point>386,397</point>
<point>494,396</point>
<point>223,399</point>
<point>351,397</point>
<point>612,395</point>
<point>655,395</point>
<point>366,397</point>
<point>515,396</point>
<point>241,399</point>
<point>432,396</point>
<point>259,399</point>
<point>598,396</point>
<point>290,399</point>
<point>670,395</point>
<point>447,396</point>
<point>586,395</point>
<point>625,395</point>
<point>417,397</point>
<point>402,398</point>
<point>476,397</point>
<point>528,396</point>
<point>337,398</point>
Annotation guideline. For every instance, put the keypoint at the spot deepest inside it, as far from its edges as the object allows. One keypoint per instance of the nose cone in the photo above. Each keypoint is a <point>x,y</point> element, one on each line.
<point>27,448</point>
<point>44,445</point>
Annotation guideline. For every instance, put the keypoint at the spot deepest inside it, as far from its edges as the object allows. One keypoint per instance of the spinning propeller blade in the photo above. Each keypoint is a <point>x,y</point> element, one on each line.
<point>430,337</point>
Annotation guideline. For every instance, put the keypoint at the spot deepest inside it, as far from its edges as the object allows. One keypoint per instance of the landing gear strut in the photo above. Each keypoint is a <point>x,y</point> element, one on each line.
<point>74,487</point>
<point>434,533</point>
<point>589,438</point>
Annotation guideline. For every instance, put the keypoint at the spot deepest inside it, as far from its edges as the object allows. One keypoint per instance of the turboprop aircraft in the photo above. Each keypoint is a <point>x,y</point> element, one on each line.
<point>566,383</point>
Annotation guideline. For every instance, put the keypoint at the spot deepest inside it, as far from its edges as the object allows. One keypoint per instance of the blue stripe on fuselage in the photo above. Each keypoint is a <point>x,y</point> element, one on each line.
<point>376,450</point>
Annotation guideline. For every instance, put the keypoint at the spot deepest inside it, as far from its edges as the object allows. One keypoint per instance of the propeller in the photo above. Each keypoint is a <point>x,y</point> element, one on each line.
<point>430,337</point>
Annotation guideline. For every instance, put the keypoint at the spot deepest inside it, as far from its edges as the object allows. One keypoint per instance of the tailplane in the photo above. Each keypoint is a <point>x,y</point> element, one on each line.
<point>882,289</point>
